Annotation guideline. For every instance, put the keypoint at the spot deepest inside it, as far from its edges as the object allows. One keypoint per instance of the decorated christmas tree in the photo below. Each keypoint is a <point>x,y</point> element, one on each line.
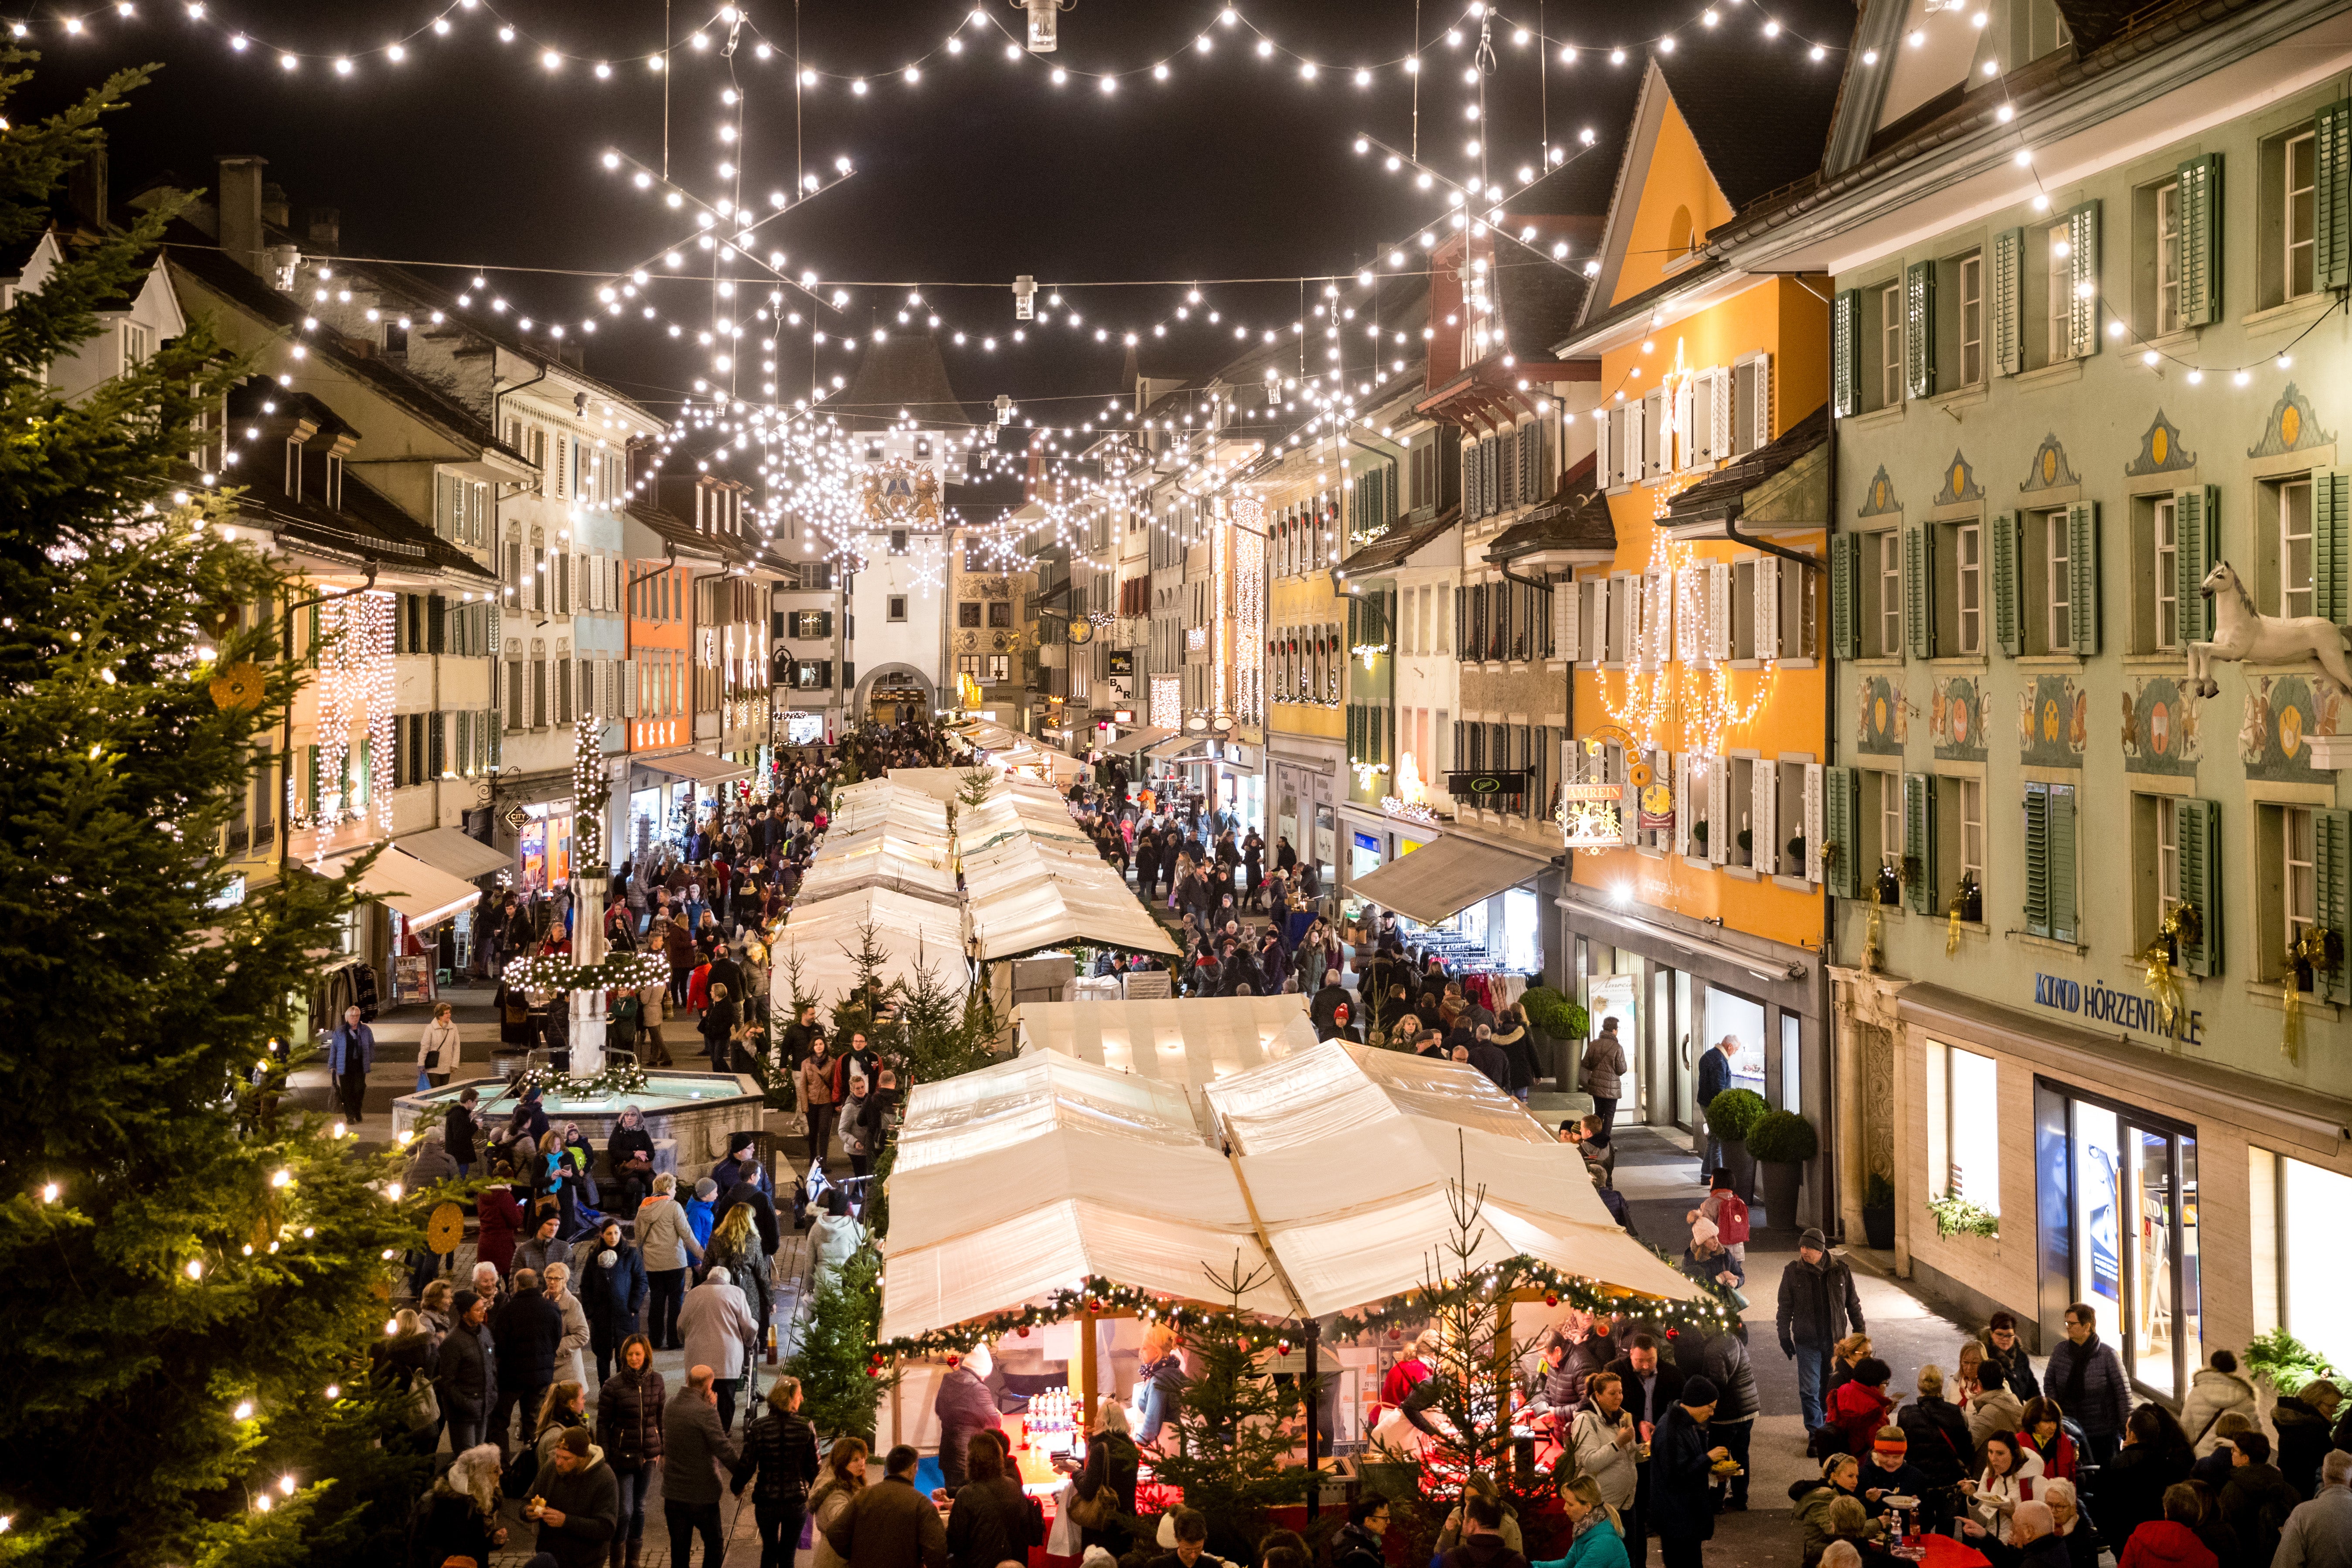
<point>843,1379</point>
<point>190,1278</point>
<point>1237,1427</point>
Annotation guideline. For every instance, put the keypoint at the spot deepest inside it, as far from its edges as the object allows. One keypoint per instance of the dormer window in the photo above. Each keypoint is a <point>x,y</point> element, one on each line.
<point>135,346</point>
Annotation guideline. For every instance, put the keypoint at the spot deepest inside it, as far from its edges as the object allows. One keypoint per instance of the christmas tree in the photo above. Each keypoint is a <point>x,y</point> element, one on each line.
<point>1237,1428</point>
<point>190,1280</point>
<point>842,1379</point>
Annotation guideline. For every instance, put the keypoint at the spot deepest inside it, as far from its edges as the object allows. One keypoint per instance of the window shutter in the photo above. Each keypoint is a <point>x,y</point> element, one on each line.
<point>2199,260</point>
<point>2063,916</point>
<point>1845,353</point>
<point>2083,617</point>
<point>1687,455</point>
<point>2196,514</point>
<point>1845,573</point>
<point>1919,589</point>
<point>1841,820</point>
<point>1814,826</point>
<point>1612,444</point>
<point>2008,301</point>
<point>1763,831</point>
<point>1760,432</point>
<point>2008,550</point>
<point>436,615</point>
<point>1567,631</point>
<point>2332,870</point>
<point>437,728</point>
<point>2037,860</point>
<point>1919,328</point>
<point>1919,840</point>
<point>2083,263</point>
<point>1718,611</point>
<point>1540,614</point>
<point>2331,540</point>
<point>1718,810</point>
<point>1635,413</point>
<point>1768,606</point>
<point>1629,807</point>
<point>1602,651</point>
<point>2199,822</point>
<point>2332,201</point>
<point>1682,803</point>
<point>628,668</point>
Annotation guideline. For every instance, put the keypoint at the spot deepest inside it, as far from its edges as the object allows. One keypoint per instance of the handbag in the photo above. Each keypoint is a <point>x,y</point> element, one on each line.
<point>424,1400</point>
<point>1096,1511</point>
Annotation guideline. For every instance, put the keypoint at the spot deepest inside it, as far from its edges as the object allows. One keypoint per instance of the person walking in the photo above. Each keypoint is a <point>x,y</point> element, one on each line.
<point>458,1131</point>
<point>609,1277</point>
<point>572,1355</point>
<point>1606,1445</point>
<point>890,1524</point>
<point>1682,1478</point>
<point>695,1450</point>
<point>1818,1305</point>
<point>350,1052</point>
<point>1603,1072</point>
<point>529,1328</point>
<point>2087,1380</point>
<point>629,1428</point>
<point>779,1463</point>
<point>467,1376</point>
<point>717,1324</point>
<point>818,1074</point>
<point>667,1243</point>
<point>1652,1385</point>
<point>437,1049</point>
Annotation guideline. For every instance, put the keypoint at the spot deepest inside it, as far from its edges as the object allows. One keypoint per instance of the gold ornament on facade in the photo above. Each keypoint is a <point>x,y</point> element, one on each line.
<point>238,689</point>
<point>899,493</point>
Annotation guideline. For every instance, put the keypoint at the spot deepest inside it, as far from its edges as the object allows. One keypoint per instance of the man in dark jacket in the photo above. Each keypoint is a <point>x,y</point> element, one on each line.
<point>468,1377</point>
<point>528,1329</point>
<point>1481,1536</point>
<point>1488,1058</point>
<point>575,1501</point>
<point>1714,1077</point>
<point>1681,1501</point>
<point>779,1462</point>
<point>351,1051</point>
<point>458,1131</point>
<point>747,1190</point>
<point>1723,1358</point>
<point>2033,1539</point>
<point>1555,1385</point>
<point>1819,1307</point>
<point>891,1525</point>
<point>2258,1499</point>
<point>2087,1380</point>
<point>1651,1384</point>
<point>695,1448</point>
<point>965,1407</point>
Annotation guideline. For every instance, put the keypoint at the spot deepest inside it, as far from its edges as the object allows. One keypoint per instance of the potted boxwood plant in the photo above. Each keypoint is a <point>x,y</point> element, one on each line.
<point>1796,851</point>
<point>1729,1116</point>
<point>1780,1142</point>
<point>1698,837</point>
<point>1747,842</point>
<point>1878,1212</point>
<point>1560,1025</point>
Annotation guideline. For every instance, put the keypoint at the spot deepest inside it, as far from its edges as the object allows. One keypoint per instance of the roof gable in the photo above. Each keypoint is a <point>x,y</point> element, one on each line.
<point>1678,203</point>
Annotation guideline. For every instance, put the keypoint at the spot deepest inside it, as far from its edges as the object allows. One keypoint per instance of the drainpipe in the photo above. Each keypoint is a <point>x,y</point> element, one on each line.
<point>1826,988</point>
<point>1731,530</point>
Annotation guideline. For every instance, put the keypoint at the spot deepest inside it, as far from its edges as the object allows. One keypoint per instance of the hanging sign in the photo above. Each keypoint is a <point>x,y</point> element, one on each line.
<point>1512,781</point>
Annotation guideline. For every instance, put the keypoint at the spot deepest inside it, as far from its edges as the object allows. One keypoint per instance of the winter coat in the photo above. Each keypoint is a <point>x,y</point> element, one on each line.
<point>1356,1547</point>
<point>438,1048</point>
<point>1858,1411</point>
<point>2213,1393</point>
<point>1599,1455</point>
<point>1604,1068</point>
<point>779,1459</point>
<point>1819,1305</point>
<point>989,1524</point>
<point>2303,1442</point>
<point>1723,1358</point>
<point>695,1448</point>
<point>747,1269</point>
<point>612,1296</point>
<point>457,1133</point>
<point>965,1408</point>
<point>827,1504</point>
<point>501,1221</point>
<point>1560,1388</point>
<point>835,1240</point>
<point>1940,1449</point>
<point>764,1211</point>
<point>430,1164</point>
<point>590,1500</point>
<point>2257,1502</point>
<point>529,1327</point>
<point>1667,1384</point>
<point>445,1525</point>
<point>2129,1490</point>
<point>889,1525</point>
<point>2318,1533</point>
<point>2023,1484</point>
<point>2106,1401</point>
<point>467,1382</point>
<point>1488,1058</point>
<point>1993,1410</point>
<point>624,1143</point>
<point>1597,1544</point>
<point>1812,1517</point>
<point>2016,1370</point>
<point>571,1352</point>
<point>1519,1051</point>
<point>718,1326</point>
<point>351,1050</point>
<point>664,1236</point>
<point>816,1080</point>
<point>2059,1461</point>
<point>629,1417</point>
<point>2167,1544</point>
<point>1682,1486</point>
<point>699,1217</point>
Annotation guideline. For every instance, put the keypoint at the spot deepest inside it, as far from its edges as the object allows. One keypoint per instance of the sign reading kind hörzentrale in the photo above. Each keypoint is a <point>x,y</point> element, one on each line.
<point>2125,1009</point>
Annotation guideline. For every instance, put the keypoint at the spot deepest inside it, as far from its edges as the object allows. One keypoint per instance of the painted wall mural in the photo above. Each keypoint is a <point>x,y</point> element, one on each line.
<point>2161,450</point>
<point>2159,733</point>
<point>2281,712</point>
<point>2050,470</point>
<point>1884,721</point>
<point>2053,722</point>
<point>1878,497</point>
<point>1959,482</point>
<point>1956,719</point>
<point>2290,426</point>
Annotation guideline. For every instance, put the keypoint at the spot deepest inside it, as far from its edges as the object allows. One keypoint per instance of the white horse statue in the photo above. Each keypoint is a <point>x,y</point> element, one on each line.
<point>2244,634</point>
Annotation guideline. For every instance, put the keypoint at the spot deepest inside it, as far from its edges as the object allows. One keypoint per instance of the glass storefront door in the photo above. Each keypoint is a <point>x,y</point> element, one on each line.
<point>2127,1188</point>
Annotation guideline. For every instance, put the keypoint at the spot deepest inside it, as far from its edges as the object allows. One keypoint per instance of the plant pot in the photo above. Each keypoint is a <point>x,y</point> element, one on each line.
<point>1972,910</point>
<point>1742,1168</point>
<point>1890,894</point>
<point>1781,1179</point>
<point>1878,1226</point>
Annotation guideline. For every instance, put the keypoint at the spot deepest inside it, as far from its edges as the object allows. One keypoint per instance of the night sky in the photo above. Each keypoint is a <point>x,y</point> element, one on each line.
<point>472,151</point>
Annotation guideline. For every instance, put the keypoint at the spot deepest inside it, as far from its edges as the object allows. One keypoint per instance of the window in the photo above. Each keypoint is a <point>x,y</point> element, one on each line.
<point>1886,810</point>
<point>1890,338</point>
<point>135,344</point>
<point>1968,586</point>
<point>1963,1132</point>
<point>968,664</point>
<point>2300,212</point>
<point>2301,885</point>
<point>2156,860</point>
<point>968,613</point>
<point>897,608</point>
<point>2155,571</point>
<point>2169,317</point>
<point>1000,614</point>
<point>2294,514</point>
<point>2058,292</point>
<point>1889,577</point>
<point>999,667</point>
<point>2050,841</point>
<point>898,541</point>
<point>1972,830</point>
<point>2059,629</point>
<point>1971,320</point>
<point>2301,1282</point>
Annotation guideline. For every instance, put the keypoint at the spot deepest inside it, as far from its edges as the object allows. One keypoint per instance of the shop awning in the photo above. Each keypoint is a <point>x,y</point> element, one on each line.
<point>426,897</point>
<point>1443,877</point>
<point>702,767</point>
<point>459,854</point>
<point>1167,751</point>
<point>1126,745</point>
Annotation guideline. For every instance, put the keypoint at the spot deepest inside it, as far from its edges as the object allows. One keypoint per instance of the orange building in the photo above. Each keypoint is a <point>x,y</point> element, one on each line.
<point>1693,907</point>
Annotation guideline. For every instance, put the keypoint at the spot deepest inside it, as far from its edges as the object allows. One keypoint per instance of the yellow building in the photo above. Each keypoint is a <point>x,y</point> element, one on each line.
<point>1693,801</point>
<point>1306,740</point>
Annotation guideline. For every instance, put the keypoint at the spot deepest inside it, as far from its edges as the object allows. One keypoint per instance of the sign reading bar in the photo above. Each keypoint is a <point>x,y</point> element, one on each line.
<point>1500,782</point>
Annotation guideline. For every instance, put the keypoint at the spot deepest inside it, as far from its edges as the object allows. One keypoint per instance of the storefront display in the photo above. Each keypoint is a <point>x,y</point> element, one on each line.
<point>544,848</point>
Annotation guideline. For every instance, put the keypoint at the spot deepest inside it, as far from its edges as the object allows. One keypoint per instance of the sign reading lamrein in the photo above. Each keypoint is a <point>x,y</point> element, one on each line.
<point>1513,781</point>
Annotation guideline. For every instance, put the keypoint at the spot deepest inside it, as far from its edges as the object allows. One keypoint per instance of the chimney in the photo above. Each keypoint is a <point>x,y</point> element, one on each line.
<point>239,197</point>
<point>86,188</point>
<point>274,210</point>
<point>326,231</point>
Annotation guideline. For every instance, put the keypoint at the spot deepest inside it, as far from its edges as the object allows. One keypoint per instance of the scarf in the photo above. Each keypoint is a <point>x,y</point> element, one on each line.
<point>2075,1368</point>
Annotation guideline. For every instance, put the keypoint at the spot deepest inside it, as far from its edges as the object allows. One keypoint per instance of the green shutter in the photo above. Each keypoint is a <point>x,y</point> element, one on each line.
<point>2196,522</point>
<point>2199,824</point>
<point>2007,551</point>
<point>2332,870</point>
<point>2332,202</point>
<point>1841,827</point>
<point>2063,916</point>
<point>2037,860</point>
<point>2331,540</point>
<point>1919,839</point>
<point>1845,353</point>
<point>2083,619</point>
<point>2083,265</point>
<point>1845,575</point>
<point>1919,589</point>
<point>2200,240</point>
<point>1919,328</point>
<point>2008,301</point>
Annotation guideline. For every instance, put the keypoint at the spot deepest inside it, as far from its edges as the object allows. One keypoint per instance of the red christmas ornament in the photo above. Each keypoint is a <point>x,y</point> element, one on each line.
<point>873,1372</point>
<point>1552,1300</point>
<point>1674,1333</point>
<point>1025,1331</point>
<point>955,1361</point>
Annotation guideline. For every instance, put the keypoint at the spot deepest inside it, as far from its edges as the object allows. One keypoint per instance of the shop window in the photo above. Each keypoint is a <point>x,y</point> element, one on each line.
<point>1963,1129</point>
<point>2299,1282</point>
<point>1792,1064</point>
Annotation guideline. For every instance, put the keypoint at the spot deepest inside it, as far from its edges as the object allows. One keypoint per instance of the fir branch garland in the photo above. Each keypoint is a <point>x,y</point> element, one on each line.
<point>550,972</point>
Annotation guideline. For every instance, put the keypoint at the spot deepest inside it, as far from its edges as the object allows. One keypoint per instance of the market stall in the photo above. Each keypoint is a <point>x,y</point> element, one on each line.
<point>1191,1043</point>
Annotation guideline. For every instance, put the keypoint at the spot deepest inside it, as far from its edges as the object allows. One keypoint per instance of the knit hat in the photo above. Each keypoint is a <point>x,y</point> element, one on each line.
<point>462,1303</point>
<point>1698,1391</point>
<point>1722,1183</point>
<point>1814,1239</point>
<point>706,1189</point>
<point>1890,1440</point>
<point>1704,1229</point>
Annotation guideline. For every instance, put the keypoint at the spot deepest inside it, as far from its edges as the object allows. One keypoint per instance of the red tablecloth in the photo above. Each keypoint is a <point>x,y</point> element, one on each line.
<point>1943,1552</point>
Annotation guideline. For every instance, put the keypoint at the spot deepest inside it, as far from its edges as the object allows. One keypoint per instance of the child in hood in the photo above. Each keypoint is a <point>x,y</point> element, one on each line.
<point>698,1217</point>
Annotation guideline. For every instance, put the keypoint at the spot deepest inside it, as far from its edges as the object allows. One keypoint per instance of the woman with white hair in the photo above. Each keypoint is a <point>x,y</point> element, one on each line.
<point>460,1518</point>
<point>717,1325</point>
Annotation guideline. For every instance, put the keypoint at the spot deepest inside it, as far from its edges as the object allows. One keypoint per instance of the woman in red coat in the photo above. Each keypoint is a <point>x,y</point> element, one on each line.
<point>1860,1407</point>
<point>501,1221</point>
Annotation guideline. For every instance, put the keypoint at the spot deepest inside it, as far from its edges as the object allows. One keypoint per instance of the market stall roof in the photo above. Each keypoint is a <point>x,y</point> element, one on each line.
<point>885,805</point>
<point>975,1111</point>
<point>1126,745</point>
<point>459,854</point>
<point>988,737</point>
<point>1176,746</point>
<point>426,897</point>
<point>884,856</point>
<point>1055,911</point>
<point>702,767</point>
<point>1191,1043</point>
<point>942,784</point>
<point>914,933</point>
<point>1444,876</point>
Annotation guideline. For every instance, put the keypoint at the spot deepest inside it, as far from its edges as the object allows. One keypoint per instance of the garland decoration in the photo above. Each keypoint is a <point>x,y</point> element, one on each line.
<point>552,971</point>
<point>2321,950</point>
<point>621,1079</point>
<point>2182,927</point>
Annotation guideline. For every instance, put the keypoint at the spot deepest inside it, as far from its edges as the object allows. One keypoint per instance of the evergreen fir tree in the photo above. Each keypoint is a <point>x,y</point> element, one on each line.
<point>841,1384</point>
<point>1236,1427</point>
<point>190,1280</point>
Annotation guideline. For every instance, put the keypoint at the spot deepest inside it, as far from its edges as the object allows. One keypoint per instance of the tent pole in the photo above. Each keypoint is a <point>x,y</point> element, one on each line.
<point>1086,1372</point>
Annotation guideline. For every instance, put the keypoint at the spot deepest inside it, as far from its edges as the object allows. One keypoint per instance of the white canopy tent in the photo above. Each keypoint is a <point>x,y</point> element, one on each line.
<point>912,932</point>
<point>886,856</point>
<point>1191,1044</point>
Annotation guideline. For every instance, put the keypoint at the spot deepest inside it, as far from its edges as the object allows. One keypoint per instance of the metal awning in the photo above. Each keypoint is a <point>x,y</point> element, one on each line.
<point>459,854</point>
<point>1126,745</point>
<point>1443,877</point>
<point>1180,745</point>
<point>425,896</point>
<point>702,767</point>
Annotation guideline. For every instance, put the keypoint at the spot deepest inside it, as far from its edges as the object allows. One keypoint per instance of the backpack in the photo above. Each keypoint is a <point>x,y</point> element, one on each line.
<point>423,1404</point>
